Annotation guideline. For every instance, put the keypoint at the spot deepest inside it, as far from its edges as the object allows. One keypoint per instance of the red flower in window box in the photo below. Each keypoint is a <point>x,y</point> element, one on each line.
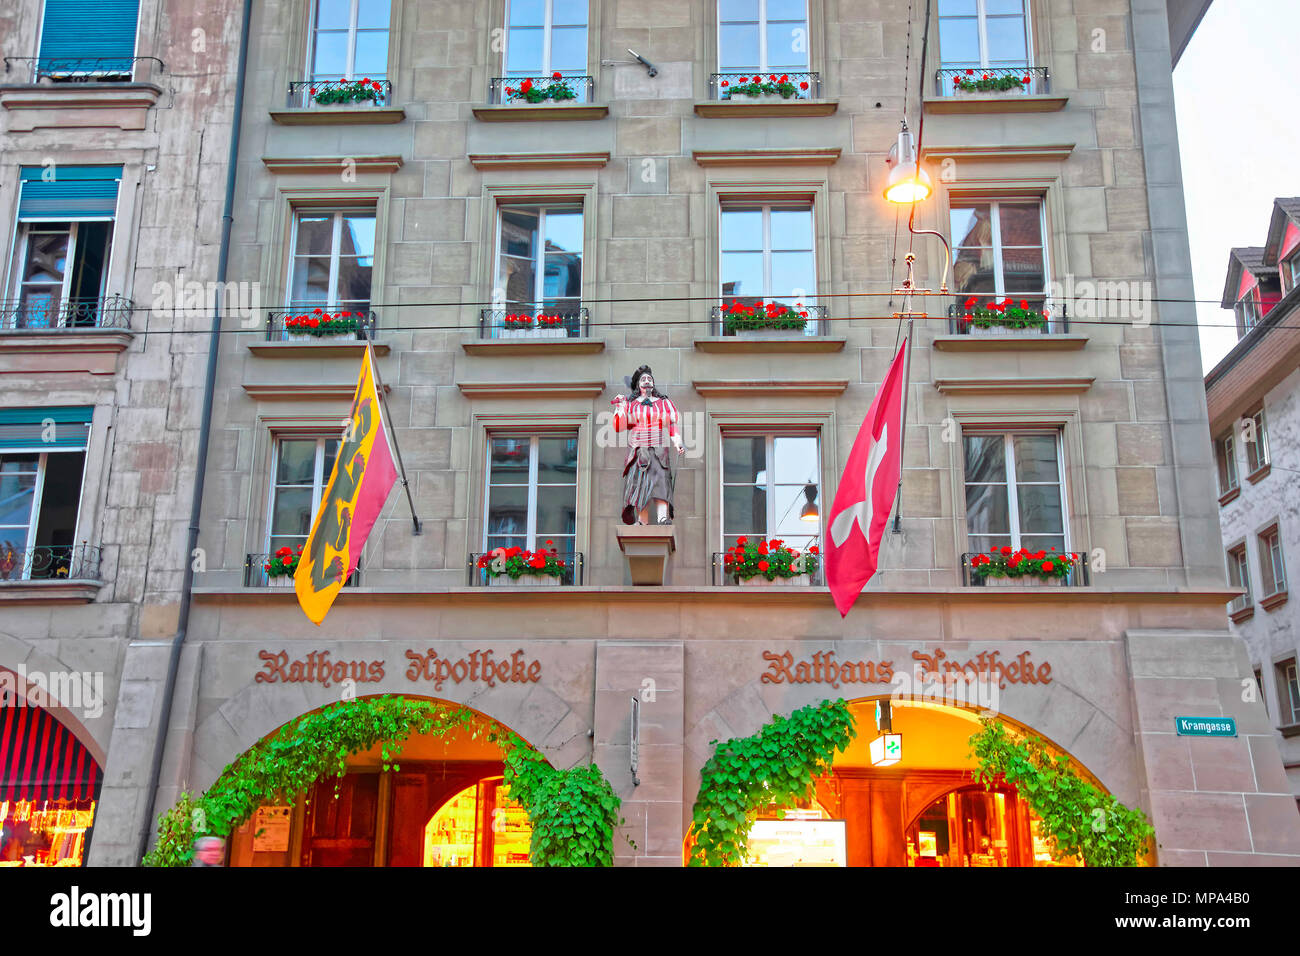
<point>323,323</point>
<point>769,559</point>
<point>762,315</point>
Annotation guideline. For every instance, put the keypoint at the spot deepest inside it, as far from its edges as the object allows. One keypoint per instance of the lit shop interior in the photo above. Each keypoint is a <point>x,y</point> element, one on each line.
<point>49,784</point>
<point>903,795</point>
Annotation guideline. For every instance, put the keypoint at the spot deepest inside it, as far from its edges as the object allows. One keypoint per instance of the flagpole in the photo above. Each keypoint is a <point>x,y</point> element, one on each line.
<point>908,284</point>
<point>417,527</point>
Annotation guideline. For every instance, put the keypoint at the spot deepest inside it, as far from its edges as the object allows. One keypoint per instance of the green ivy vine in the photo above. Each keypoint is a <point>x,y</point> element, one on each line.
<point>317,745</point>
<point>777,765</point>
<point>1078,819</point>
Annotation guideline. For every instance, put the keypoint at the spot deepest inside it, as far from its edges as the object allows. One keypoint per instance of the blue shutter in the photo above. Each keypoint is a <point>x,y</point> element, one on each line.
<point>85,30</point>
<point>26,428</point>
<point>77,192</point>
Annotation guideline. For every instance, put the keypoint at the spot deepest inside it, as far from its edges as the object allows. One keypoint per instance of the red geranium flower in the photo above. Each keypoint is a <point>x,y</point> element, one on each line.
<point>313,91</point>
<point>956,81</point>
<point>970,72</point>
<point>785,78</point>
<point>1025,80</point>
<point>763,565</point>
<point>1006,550</point>
<point>803,85</point>
<point>742,541</point>
<point>526,85</point>
<point>725,83</point>
<point>813,550</point>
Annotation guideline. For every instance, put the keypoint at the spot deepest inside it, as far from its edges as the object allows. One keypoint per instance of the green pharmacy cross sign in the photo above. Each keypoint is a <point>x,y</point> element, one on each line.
<point>1206,726</point>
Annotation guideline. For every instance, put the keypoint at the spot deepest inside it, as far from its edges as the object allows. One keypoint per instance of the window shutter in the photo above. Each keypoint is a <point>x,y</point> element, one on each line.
<point>88,29</point>
<point>77,192</point>
<point>28,428</point>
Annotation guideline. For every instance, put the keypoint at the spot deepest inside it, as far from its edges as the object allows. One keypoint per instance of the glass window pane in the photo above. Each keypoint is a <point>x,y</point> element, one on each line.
<point>569,50</point>
<point>971,225</point>
<point>17,492</point>
<point>1021,224</point>
<point>737,10</point>
<point>1006,37</point>
<point>1023,272</point>
<point>742,230</point>
<point>47,257</point>
<point>793,276</point>
<point>987,542</point>
<point>568,12</point>
<point>330,61</point>
<point>311,281</point>
<point>354,282</point>
<point>948,8</point>
<point>297,462</point>
<point>986,510</point>
<point>744,510</point>
<point>563,277</point>
<point>743,459</point>
<point>564,230</point>
<point>1040,509</point>
<point>738,48</point>
<point>742,274</point>
<point>519,232</point>
<point>959,41</point>
<point>335,14</point>
<point>526,13</point>
<point>995,7</point>
<point>372,54</point>
<point>1034,543</point>
<point>331,453</point>
<point>315,235</point>
<point>510,460</point>
<point>524,51</point>
<point>358,235</point>
<point>796,459</point>
<point>792,229</point>
<point>790,501</point>
<point>508,510</point>
<point>985,458</point>
<point>786,10</point>
<point>557,460</point>
<point>557,511</point>
<point>293,513</point>
<point>373,13</point>
<point>1035,457</point>
<point>787,47</point>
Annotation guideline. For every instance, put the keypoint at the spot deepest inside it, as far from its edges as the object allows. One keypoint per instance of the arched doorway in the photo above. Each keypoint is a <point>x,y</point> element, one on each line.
<point>441,803</point>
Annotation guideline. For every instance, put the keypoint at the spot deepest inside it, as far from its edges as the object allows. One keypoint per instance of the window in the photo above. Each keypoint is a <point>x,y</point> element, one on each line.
<point>1225,452</point>
<point>545,37</point>
<point>998,249</point>
<point>333,260</point>
<point>349,40</point>
<point>65,235</point>
<point>1248,311</point>
<point>1257,450</point>
<point>762,36</point>
<point>42,460</point>
<point>767,254</point>
<point>983,33</point>
<point>1288,691</point>
<point>1014,494</point>
<point>1272,571</point>
<point>770,487</point>
<point>302,470</point>
<point>1291,270</point>
<point>87,39</point>
<point>532,492</point>
<point>1239,577</point>
<point>539,259</point>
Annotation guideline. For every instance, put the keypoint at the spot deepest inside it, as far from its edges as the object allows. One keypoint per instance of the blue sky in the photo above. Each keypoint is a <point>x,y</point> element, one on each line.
<point>1239,138</point>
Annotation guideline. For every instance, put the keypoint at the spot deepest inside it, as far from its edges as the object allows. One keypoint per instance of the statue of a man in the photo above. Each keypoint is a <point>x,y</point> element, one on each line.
<point>648,416</point>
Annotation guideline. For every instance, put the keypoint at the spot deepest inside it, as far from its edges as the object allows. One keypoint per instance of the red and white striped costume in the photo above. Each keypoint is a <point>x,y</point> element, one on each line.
<point>646,424</point>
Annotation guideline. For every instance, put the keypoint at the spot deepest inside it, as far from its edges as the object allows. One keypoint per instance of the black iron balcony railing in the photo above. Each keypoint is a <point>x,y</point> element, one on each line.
<point>50,312</point>
<point>509,90</point>
<point>1058,319</point>
<point>807,86</point>
<point>101,69</point>
<point>817,323</point>
<point>256,576</point>
<point>721,577</point>
<point>1079,576</point>
<point>60,562</point>
<point>571,575</point>
<point>362,326</point>
<point>1034,80</point>
<point>324,94</point>
<point>497,324</point>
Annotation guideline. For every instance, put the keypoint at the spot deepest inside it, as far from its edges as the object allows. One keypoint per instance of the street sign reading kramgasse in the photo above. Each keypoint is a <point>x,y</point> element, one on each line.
<point>1206,726</point>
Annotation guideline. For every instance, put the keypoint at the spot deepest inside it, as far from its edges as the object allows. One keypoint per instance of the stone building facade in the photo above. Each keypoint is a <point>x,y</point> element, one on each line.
<point>1254,401</point>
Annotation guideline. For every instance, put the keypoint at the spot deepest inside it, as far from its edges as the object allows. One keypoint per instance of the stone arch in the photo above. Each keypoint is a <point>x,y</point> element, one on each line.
<point>19,657</point>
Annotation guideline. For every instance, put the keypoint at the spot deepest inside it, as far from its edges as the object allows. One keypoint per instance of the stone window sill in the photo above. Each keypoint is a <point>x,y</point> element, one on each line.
<point>795,343</point>
<point>1289,730</point>
<point>575,346</point>
<point>112,105</point>
<point>1260,473</point>
<point>49,592</point>
<point>362,115</point>
<point>313,349</point>
<point>1273,601</point>
<point>995,104</point>
<point>716,109</point>
<point>1245,614</point>
<point>1230,495</point>
<point>550,113</point>
<point>63,350</point>
<point>1009,343</point>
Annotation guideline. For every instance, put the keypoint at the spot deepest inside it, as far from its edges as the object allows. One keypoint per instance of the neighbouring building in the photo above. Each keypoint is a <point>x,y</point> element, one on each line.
<point>425,172</point>
<point>114,139</point>
<point>1253,396</point>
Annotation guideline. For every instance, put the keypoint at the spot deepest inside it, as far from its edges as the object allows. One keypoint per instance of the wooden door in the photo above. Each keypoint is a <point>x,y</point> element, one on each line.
<point>340,824</point>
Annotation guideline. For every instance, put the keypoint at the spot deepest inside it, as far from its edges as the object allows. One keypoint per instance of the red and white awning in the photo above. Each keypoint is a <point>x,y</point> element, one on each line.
<point>42,760</point>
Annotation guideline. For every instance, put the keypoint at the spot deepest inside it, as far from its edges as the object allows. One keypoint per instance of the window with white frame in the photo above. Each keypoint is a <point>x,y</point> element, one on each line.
<point>333,259</point>
<point>767,253</point>
<point>539,259</point>
<point>301,471</point>
<point>349,40</point>
<point>1257,449</point>
<point>1247,310</point>
<point>1272,570</point>
<point>1225,453</point>
<point>1288,690</point>
<point>1014,493</point>
<point>998,249</point>
<point>532,492</point>
<point>984,33</point>
<point>1291,271</point>
<point>762,36</point>
<point>42,464</point>
<point>545,37</point>
<point>1239,577</point>
<point>771,485</point>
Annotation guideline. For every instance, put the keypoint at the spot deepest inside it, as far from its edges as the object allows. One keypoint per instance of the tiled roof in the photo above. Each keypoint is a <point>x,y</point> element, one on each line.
<point>1283,209</point>
<point>1250,258</point>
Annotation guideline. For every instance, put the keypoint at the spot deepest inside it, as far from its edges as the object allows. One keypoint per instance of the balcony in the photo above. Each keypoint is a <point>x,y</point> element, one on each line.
<point>571,576</point>
<point>799,95</point>
<point>501,332</point>
<point>1011,89</point>
<point>50,313</point>
<point>548,98</point>
<point>720,577</point>
<point>67,562</point>
<point>339,103</point>
<point>1240,608</point>
<point>255,575</point>
<point>113,69</point>
<point>87,93</point>
<point>1079,577</point>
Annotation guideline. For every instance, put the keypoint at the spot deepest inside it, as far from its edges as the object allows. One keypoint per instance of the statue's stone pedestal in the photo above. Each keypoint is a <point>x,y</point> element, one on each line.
<point>648,549</point>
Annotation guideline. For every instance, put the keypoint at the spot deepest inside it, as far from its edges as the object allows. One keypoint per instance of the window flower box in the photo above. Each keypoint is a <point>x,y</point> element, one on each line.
<point>759,89</point>
<point>769,320</point>
<point>515,567</point>
<point>347,94</point>
<point>974,83</point>
<point>557,90</point>
<point>1003,567</point>
<point>319,324</point>
<point>1003,318</point>
<point>533,327</point>
<point>281,567</point>
<point>769,564</point>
